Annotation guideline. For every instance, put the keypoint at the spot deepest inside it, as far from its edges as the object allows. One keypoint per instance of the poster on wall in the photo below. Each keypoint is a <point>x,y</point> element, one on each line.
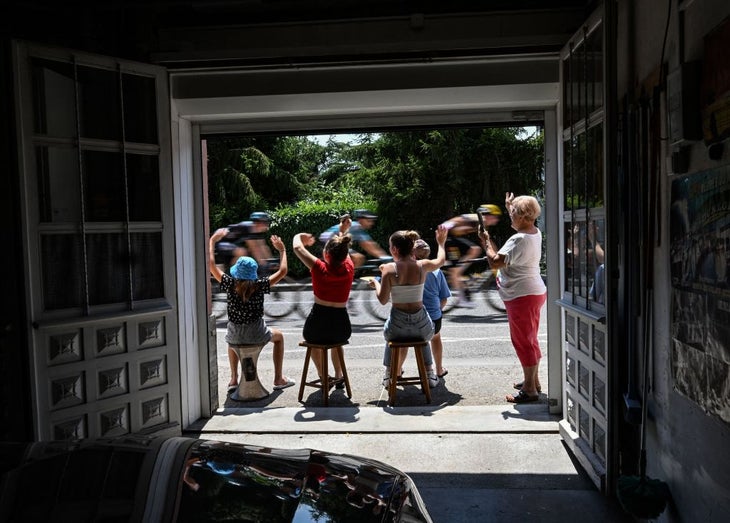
<point>716,85</point>
<point>700,265</point>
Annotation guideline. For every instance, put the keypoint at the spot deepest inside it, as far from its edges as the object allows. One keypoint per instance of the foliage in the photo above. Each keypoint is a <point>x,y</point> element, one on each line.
<point>255,173</point>
<point>314,216</point>
<point>422,178</point>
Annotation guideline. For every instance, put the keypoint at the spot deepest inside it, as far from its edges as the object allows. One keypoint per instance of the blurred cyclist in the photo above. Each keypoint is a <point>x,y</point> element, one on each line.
<point>364,220</point>
<point>459,248</point>
<point>246,238</point>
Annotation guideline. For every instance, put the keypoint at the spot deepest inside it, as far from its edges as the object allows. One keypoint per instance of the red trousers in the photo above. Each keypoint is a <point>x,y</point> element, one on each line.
<point>523,315</point>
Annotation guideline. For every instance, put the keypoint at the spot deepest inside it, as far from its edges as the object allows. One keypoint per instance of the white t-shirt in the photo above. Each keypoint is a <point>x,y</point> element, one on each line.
<point>521,274</point>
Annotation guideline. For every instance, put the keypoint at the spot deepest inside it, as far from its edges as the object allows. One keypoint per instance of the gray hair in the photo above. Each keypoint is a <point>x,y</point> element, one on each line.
<point>527,207</point>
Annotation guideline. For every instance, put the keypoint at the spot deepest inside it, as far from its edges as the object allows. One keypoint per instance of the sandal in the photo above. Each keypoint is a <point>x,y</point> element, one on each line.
<point>522,397</point>
<point>444,373</point>
<point>288,383</point>
<point>519,385</point>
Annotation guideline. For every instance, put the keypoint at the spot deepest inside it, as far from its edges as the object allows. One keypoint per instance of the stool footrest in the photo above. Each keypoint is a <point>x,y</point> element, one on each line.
<point>410,380</point>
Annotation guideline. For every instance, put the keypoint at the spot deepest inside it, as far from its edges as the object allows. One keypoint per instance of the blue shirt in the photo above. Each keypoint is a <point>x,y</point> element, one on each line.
<point>435,289</point>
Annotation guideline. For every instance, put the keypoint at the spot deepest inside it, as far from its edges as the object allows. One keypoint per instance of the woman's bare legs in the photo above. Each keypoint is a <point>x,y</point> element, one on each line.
<point>317,358</point>
<point>437,348</point>
<point>529,386</point>
<point>278,338</point>
<point>233,363</point>
<point>336,362</point>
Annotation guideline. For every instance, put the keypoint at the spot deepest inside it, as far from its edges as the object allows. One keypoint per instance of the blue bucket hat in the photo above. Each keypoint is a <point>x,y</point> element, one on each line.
<point>245,269</point>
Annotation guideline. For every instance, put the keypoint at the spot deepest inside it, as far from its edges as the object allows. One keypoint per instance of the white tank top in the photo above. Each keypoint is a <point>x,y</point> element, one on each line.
<point>407,293</point>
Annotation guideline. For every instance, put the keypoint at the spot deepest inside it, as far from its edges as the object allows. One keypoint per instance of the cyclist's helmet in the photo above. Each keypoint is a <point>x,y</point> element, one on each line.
<point>490,208</point>
<point>364,213</point>
<point>260,216</point>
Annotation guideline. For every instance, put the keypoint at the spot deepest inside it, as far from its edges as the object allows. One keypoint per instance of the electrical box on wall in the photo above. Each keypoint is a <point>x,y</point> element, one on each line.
<point>683,100</point>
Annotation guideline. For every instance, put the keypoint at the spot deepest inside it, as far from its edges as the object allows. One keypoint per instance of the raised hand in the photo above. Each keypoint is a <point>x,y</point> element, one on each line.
<point>508,197</point>
<point>277,243</point>
<point>441,234</point>
<point>220,233</point>
<point>307,239</point>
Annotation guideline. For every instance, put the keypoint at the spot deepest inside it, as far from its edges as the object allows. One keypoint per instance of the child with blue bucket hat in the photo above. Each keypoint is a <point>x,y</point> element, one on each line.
<point>245,301</point>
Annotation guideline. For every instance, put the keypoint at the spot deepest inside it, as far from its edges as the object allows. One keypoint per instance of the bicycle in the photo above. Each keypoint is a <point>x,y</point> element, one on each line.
<point>366,295</point>
<point>284,297</point>
<point>481,281</point>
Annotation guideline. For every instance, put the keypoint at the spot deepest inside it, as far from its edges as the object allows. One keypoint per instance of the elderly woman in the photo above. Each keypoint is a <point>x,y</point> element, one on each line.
<point>402,283</point>
<point>522,288</point>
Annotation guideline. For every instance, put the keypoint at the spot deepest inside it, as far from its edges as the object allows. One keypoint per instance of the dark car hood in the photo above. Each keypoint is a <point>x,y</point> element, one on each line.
<point>142,478</point>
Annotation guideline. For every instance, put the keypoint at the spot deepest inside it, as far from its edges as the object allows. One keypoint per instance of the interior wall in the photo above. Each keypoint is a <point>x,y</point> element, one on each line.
<point>684,443</point>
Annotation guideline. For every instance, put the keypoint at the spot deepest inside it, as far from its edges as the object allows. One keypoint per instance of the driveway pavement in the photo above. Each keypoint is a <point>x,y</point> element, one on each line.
<point>473,456</point>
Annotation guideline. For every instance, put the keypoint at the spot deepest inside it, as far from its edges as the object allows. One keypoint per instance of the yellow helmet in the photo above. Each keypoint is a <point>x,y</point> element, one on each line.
<point>490,208</point>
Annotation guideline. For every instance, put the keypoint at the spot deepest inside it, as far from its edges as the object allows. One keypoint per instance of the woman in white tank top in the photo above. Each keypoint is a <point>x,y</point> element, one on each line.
<point>402,283</point>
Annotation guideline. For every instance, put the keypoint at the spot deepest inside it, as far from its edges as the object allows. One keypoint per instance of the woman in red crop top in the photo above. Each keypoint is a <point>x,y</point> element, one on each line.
<point>328,321</point>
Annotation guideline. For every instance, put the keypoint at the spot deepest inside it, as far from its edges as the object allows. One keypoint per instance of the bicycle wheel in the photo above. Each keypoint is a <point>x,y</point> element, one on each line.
<point>455,300</point>
<point>370,302</point>
<point>306,298</point>
<point>284,298</point>
<point>490,292</point>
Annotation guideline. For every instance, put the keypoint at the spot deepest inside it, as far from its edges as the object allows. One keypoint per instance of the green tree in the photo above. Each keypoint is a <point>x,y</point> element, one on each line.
<point>256,173</point>
<point>421,178</point>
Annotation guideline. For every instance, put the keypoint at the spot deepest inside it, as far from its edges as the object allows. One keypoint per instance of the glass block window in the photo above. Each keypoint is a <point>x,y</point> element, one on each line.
<point>583,340</point>
<point>584,380</point>
<point>584,424</point>
<point>570,411</point>
<point>583,186</point>
<point>599,441</point>
<point>569,328</point>
<point>97,169</point>
<point>599,345</point>
<point>599,393</point>
<point>570,369</point>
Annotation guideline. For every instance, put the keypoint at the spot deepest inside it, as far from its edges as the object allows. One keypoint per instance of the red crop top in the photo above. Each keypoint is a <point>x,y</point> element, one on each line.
<point>332,283</point>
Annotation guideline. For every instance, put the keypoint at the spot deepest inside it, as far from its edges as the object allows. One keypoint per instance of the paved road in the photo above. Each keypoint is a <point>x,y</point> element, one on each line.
<point>477,351</point>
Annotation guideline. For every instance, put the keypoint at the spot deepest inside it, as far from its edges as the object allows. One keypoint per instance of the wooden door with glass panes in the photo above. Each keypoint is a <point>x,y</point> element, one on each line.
<point>98,243</point>
<point>584,333</point>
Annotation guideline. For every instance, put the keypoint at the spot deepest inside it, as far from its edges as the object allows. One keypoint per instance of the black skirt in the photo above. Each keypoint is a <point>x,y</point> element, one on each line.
<point>326,325</point>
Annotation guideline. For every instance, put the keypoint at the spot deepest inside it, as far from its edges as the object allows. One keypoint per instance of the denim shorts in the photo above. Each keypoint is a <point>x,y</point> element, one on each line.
<point>256,333</point>
<point>402,326</point>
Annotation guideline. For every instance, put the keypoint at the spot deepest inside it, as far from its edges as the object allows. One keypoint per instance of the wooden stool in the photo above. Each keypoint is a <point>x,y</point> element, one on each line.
<point>249,386</point>
<point>395,380</point>
<point>323,383</point>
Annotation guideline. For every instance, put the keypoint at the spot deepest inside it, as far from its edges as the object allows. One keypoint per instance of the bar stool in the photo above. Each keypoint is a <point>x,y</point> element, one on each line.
<point>395,380</point>
<point>249,386</point>
<point>323,383</point>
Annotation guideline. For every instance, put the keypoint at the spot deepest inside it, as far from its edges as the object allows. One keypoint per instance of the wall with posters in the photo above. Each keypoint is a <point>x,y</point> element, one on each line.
<point>688,427</point>
<point>699,247</point>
